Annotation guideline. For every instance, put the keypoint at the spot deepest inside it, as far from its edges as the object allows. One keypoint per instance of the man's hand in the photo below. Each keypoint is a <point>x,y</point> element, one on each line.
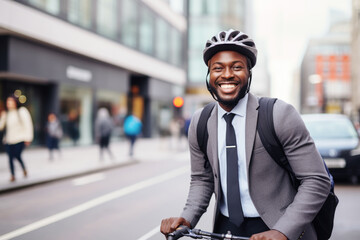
<point>271,234</point>
<point>169,225</point>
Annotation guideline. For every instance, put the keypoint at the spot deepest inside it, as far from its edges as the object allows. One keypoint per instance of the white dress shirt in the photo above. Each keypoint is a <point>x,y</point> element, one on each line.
<point>238,122</point>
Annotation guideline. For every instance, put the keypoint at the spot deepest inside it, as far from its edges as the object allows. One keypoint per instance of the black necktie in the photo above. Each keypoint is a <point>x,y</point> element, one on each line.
<point>236,215</point>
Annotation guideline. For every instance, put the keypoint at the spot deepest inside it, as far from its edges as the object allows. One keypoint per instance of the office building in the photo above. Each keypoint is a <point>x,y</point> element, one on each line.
<point>72,57</point>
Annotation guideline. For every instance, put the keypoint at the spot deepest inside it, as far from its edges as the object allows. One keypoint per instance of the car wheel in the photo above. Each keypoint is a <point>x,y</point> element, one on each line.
<point>354,179</point>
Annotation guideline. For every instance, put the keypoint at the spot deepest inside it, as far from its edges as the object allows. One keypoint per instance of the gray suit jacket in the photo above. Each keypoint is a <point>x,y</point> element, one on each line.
<point>278,203</point>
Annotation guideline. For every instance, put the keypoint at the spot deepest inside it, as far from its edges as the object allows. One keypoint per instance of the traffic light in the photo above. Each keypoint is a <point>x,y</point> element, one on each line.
<point>178,102</point>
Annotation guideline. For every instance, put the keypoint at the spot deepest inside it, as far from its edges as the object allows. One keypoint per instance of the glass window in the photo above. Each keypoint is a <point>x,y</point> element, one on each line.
<point>197,69</point>
<point>116,104</point>
<point>50,6</point>
<point>107,18</point>
<point>162,39</point>
<point>233,8</point>
<point>200,33</point>
<point>177,6</point>
<point>146,39</point>
<point>75,114</point>
<point>176,48</point>
<point>212,7</point>
<point>129,23</point>
<point>79,12</point>
<point>337,128</point>
<point>204,7</point>
<point>195,7</point>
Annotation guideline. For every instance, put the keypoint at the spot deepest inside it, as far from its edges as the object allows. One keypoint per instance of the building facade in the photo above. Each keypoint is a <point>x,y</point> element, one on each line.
<point>72,57</point>
<point>326,72</point>
<point>355,60</point>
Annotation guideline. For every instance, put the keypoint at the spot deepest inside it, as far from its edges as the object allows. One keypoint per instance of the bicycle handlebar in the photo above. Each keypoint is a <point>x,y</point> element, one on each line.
<point>182,231</point>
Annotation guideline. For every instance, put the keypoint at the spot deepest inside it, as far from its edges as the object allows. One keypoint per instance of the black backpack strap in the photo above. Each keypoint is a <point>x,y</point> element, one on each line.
<point>269,139</point>
<point>201,132</point>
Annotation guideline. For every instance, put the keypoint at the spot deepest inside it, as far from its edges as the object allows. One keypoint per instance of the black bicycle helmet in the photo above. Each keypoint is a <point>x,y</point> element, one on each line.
<point>231,40</point>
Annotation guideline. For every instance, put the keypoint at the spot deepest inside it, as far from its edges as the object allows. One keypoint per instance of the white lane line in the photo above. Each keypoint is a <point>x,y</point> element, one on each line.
<point>151,233</point>
<point>88,179</point>
<point>94,202</point>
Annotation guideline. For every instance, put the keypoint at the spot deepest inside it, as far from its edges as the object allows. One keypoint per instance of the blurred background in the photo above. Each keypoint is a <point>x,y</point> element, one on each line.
<point>73,57</point>
<point>144,58</point>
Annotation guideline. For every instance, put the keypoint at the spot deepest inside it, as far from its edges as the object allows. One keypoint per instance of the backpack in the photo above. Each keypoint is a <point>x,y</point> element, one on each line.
<point>324,220</point>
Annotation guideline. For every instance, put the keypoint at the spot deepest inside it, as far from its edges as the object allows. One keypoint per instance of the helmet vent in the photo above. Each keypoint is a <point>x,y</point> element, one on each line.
<point>249,43</point>
<point>222,36</point>
<point>233,35</point>
<point>241,37</point>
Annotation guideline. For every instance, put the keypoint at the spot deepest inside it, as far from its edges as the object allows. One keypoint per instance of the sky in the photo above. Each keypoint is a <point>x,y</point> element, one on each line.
<point>281,30</point>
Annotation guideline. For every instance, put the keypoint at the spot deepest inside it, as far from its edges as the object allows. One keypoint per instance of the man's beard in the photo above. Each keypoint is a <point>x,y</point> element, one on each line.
<point>232,102</point>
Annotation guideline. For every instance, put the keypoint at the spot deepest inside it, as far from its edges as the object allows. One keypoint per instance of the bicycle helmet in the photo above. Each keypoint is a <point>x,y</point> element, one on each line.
<point>231,40</point>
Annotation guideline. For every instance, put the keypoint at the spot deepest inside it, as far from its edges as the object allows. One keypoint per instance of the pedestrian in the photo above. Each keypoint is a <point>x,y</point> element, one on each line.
<point>103,129</point>
<point>132,129</point>
<point>254,196</point>
<point>73,126</point>
<point>175,127</point>
<point>54,134</point>
<point>18,130</point>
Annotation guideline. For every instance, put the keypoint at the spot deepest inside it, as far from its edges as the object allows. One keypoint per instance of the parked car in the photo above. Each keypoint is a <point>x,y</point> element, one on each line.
<point>337,140</point>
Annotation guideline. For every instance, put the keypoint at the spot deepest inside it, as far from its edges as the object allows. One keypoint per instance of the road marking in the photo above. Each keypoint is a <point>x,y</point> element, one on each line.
<point>94,203</point>
<point>151,233</point>
<point>88,179</point>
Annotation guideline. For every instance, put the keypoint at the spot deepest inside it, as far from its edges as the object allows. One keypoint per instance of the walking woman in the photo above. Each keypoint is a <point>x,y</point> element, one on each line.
<point>18,132</point>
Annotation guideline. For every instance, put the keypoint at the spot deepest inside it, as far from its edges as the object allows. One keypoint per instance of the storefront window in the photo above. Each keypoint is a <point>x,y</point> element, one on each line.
<point>106,18</point>
<point>162,39</point>
<point>146,39</point>
<point>116,104</point>
<point>50,6</point>
<point>79,12</point>
<point>33,97</point>
<point>129,23</point>
<point>76,115</point>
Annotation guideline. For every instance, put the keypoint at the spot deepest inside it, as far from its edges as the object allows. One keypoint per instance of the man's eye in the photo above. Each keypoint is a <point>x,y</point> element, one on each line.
<point>217,68</point>
<point>237,67</point>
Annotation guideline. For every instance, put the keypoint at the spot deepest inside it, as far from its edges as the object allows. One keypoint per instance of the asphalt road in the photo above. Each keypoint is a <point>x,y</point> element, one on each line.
<point>125,203</point>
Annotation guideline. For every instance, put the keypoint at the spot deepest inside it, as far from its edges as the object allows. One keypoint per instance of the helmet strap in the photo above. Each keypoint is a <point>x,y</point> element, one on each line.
<point>249,81</point>
<point>208,86</point>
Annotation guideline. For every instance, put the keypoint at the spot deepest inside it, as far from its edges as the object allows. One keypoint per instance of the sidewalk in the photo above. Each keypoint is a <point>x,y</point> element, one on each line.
<point>76,161</point>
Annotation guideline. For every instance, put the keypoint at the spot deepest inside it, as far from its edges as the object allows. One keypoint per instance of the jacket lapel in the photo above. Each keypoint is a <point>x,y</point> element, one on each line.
<point>250,126</point>
<point>213,136</point>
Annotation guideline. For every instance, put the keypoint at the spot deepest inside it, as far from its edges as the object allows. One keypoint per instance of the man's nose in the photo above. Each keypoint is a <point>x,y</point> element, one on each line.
<point>228,73</point>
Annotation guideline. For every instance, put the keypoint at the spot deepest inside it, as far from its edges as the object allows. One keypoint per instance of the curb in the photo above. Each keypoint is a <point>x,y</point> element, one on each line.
<point>28,184</point>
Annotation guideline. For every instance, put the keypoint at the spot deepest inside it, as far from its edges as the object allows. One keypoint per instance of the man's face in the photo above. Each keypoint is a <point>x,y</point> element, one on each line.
<point>228,78</point>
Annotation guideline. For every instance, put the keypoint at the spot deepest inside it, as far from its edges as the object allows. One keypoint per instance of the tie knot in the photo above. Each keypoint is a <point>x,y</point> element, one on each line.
<point>229,117</point>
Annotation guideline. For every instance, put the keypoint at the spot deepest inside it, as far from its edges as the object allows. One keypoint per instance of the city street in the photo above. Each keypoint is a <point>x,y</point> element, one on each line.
<point>125,203</point>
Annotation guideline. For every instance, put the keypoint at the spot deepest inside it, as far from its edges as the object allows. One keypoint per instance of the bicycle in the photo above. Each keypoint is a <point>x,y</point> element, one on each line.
<point>184,231</point>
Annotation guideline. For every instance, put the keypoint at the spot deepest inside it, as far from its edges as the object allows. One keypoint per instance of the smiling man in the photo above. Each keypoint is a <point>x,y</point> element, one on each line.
<point>254,196</point>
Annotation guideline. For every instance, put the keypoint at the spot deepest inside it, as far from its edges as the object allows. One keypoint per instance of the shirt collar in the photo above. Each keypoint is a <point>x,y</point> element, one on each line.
<point>239,109</point>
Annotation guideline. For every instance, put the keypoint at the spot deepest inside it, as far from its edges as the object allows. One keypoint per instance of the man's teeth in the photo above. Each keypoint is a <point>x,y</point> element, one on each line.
<point>227,85</point>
